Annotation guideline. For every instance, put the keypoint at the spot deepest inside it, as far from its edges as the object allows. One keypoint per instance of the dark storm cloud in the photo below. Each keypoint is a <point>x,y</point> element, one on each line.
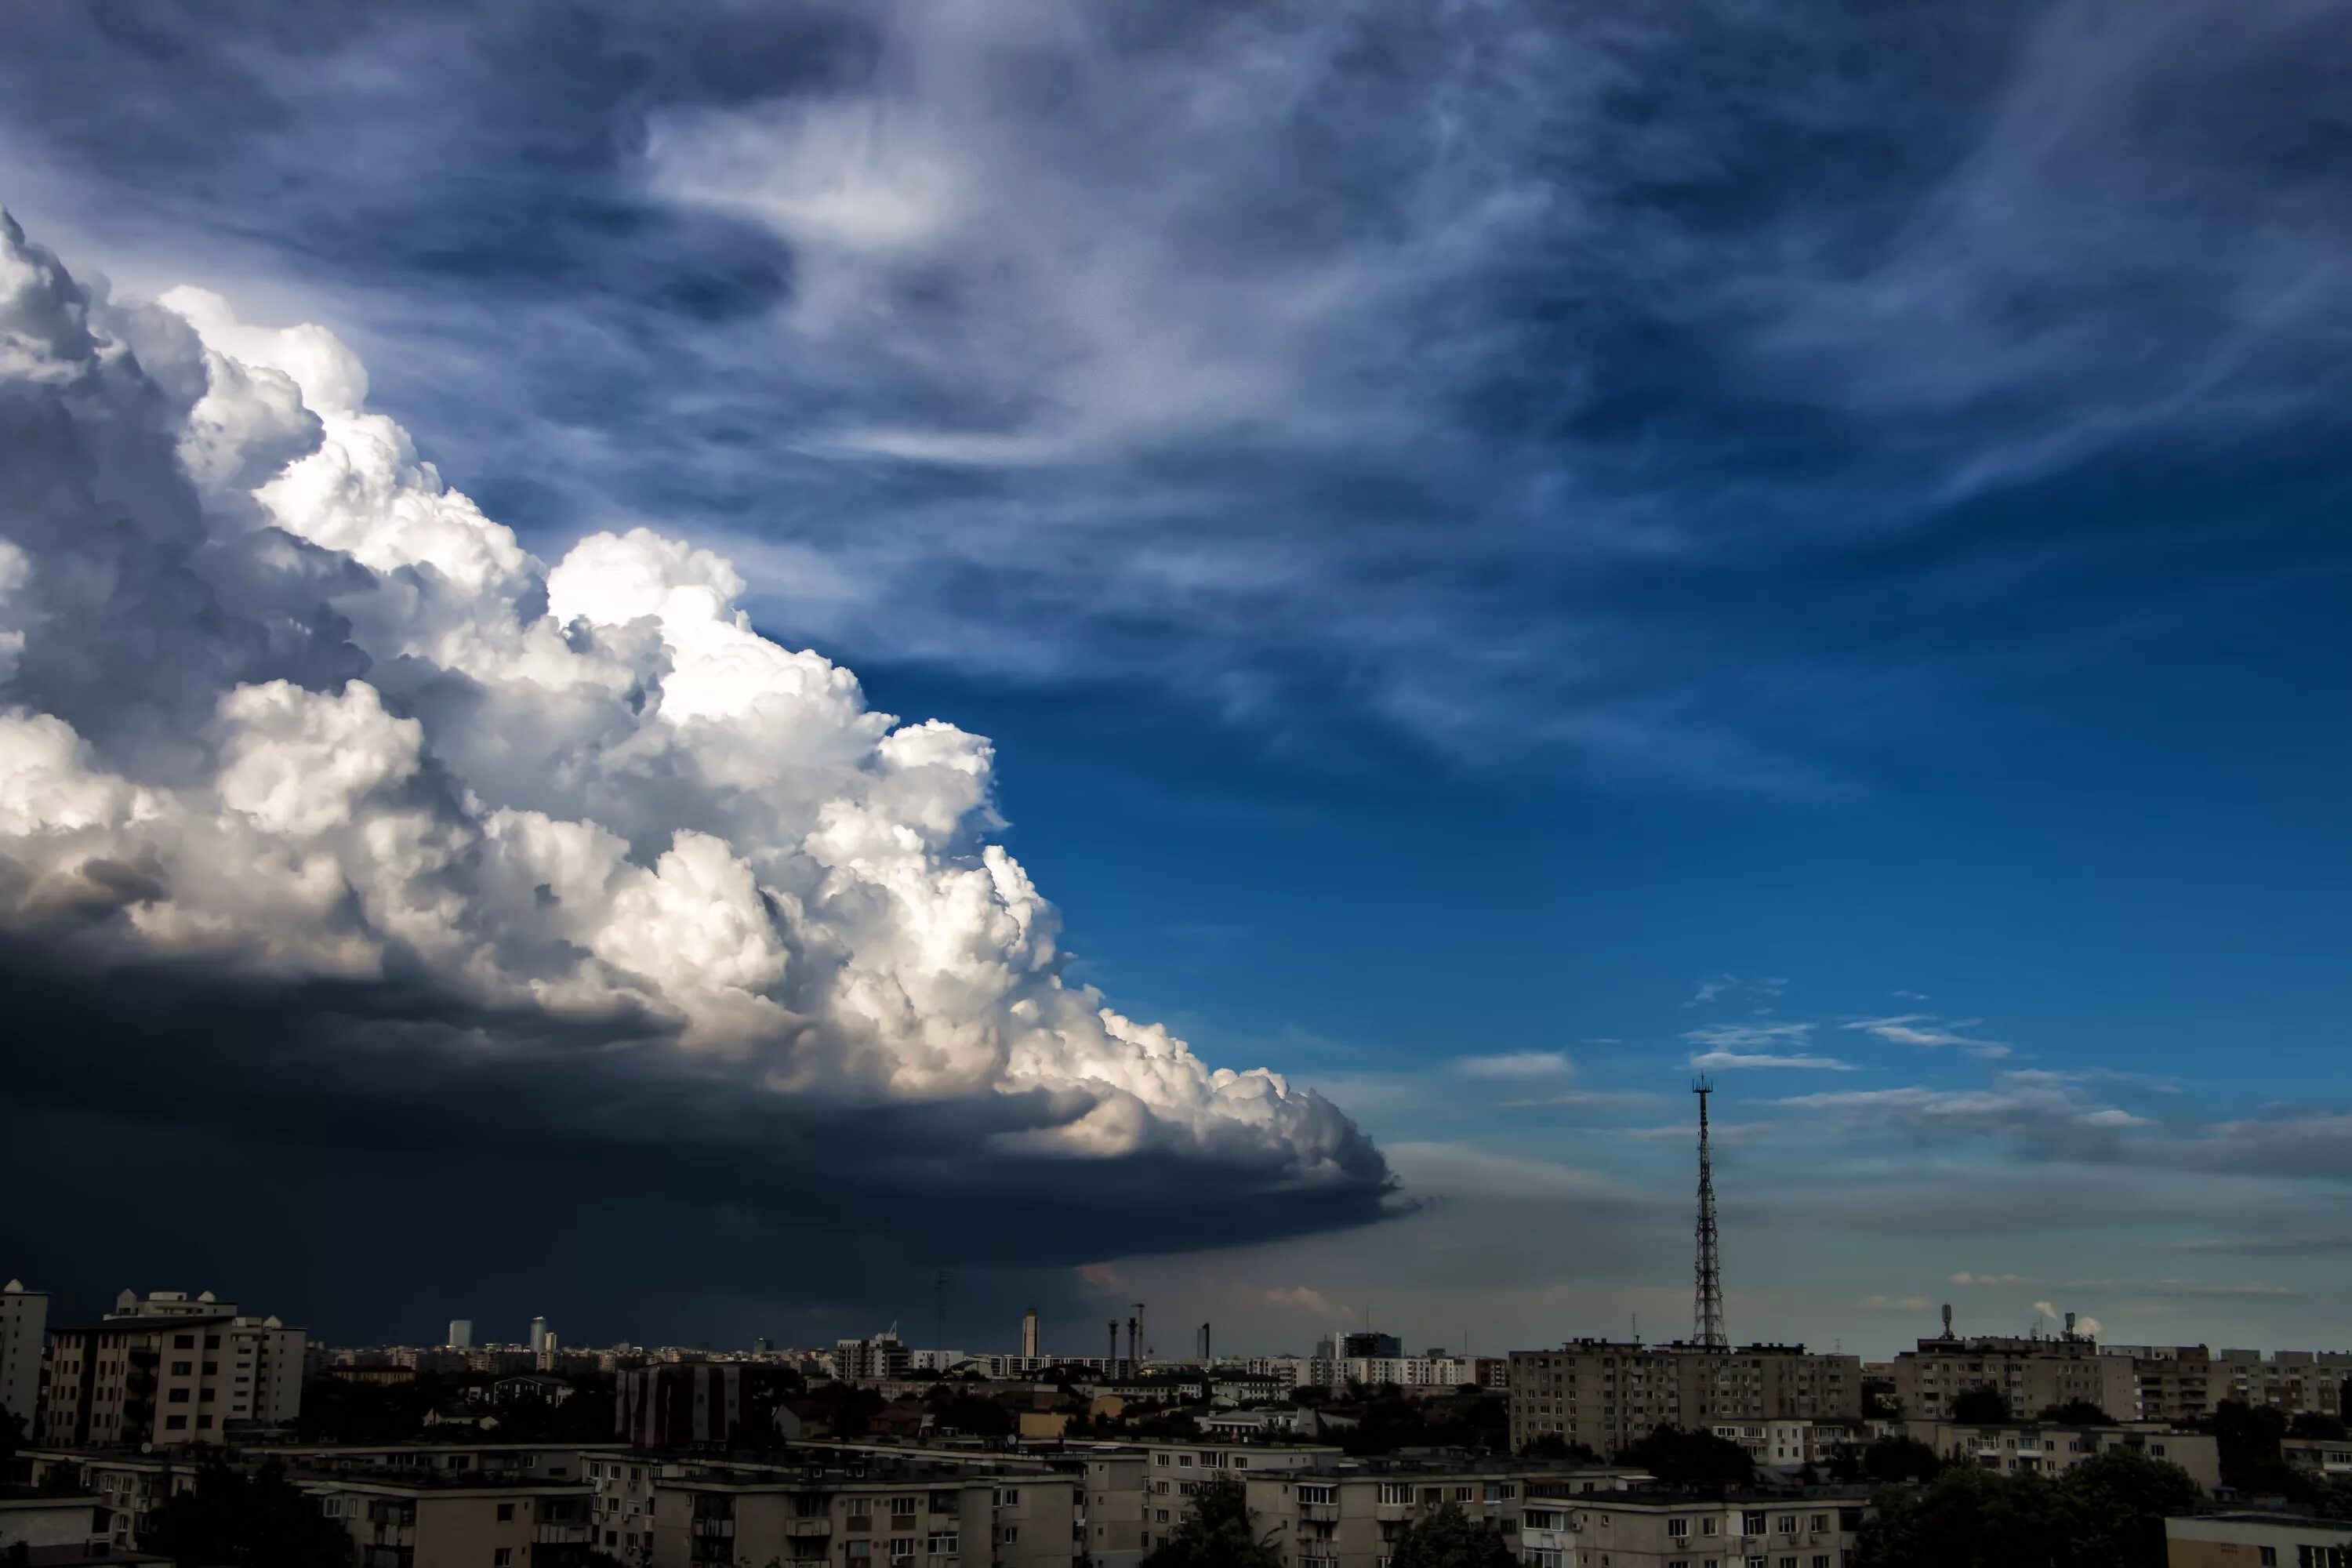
<point>332,823</point>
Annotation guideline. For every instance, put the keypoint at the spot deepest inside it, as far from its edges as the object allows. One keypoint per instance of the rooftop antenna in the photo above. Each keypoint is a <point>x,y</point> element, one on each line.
<point>1707,1309</point>
<point>1135,1344</point>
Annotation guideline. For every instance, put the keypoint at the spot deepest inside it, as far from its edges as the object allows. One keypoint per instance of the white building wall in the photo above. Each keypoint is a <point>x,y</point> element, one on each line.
<point>24,1330</point>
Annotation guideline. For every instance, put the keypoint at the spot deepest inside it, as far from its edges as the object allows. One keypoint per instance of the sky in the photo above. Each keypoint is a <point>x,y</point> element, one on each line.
<point>685,670</point>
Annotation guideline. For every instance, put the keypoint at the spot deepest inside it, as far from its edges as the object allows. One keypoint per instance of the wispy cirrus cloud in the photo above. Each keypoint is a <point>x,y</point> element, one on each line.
<point>1715,988</point>
<point>1925,1029</point>
<point>1732,1061</point>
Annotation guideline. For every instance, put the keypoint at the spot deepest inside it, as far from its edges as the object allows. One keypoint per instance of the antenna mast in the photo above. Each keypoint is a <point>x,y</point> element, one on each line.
<point>1708,1308</point>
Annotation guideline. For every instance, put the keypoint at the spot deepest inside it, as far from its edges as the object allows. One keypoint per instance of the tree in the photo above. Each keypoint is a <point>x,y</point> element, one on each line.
<point>1552,1446</point>
<point>2315,1424</point>
<point>1446,1539</point>
<point>1981,1405</point>
<point>1689,1458</point>
<point>2246,1441</point>
<point>260,1521</point>
<point>2076,1412</point>
<point>2124,1497</point>
<point>975,1416</point>
<point>1893,1459</point>
<point>1215,1533</point>
<point>1878,1401</point>
<point>2106,1512</point>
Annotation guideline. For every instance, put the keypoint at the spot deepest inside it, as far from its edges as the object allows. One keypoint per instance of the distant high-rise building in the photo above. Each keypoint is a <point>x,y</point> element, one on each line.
<point>1029,1335</point>
<point>764,1344</point>
<point>24,1330</point>
<point>538,1335</point>
<point>1368,1343</point>
<point>461,1333</point>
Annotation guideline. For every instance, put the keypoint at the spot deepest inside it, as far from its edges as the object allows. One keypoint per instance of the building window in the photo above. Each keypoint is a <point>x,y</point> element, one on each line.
<point>501,1557</point>
<point>183,1342</point>
<point>942,1546</point>
<point>505,1512</point>
<point>175,1423</point>
<point>1679,1530</point>
<point>183,1368</point>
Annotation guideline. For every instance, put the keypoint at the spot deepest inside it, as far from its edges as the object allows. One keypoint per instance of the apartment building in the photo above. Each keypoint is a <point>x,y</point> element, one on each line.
<point>876,1513</point>
<point>2182,1382</point>
<point>2292,1380</point>
<point>1656,1528</point>
<point>1415,1373</point>
<point>454,1521</point>
<point>2028,1447</point>
<point>620,1510</point>
<point>1120,1488</point>
<point>1352,1514</point>
<point>2031,1373</point>
<point>1607,1393</point>
<point>39,1531</point>
<point>2170,1383</point>
<point>2322,1456</point>
<point>1796,1443</point>
<point>23,1331</point>
<point>2256,1541</point>
<point>170,1368</point>
<point>128,1485</point>
<point>678,1403</point>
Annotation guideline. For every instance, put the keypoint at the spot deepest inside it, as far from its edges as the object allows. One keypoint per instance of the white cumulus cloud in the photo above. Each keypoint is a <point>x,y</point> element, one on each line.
<point>282,704</point>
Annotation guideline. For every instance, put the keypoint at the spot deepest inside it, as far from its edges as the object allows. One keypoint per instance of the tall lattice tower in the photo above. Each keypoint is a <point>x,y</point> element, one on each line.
<point>1706,1312</point>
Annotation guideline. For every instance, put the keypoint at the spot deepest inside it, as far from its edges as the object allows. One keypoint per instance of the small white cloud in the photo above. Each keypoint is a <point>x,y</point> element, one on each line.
<point>1925,1029</point>
<point>1513,1064</point>
<point>1732,1061</point>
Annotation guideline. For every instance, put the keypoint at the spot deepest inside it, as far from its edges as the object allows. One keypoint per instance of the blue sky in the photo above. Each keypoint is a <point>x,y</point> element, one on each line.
<point>1502,555</point>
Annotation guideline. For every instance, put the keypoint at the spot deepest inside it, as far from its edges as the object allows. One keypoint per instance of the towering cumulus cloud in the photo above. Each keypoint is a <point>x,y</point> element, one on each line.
<point>316,787</point>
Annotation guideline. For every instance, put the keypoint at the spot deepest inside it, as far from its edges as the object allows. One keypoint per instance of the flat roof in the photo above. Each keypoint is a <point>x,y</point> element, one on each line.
<point>141,1325</point>
<point>468,1481</point>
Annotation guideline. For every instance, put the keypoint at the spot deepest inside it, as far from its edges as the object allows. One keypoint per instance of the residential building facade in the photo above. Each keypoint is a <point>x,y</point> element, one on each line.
<point>456,1520</point>
<point>170,1368</point>
<point>1351,1515</point>
<point>2031,1373</point>
<point>2022,1447</point>
<point>1648,1529</point>
<point>2257,1540</point>
<point>1607,1393</point>
<point>23,1332</point>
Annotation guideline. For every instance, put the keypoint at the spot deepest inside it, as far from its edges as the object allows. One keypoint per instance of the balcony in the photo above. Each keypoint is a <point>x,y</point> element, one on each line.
<point>715,1529</point>
<point>808,1529</point>
<point>1324,1511</point>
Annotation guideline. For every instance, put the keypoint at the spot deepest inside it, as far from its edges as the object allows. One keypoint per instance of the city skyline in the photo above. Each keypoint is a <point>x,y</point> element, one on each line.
<point>722,665</point>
